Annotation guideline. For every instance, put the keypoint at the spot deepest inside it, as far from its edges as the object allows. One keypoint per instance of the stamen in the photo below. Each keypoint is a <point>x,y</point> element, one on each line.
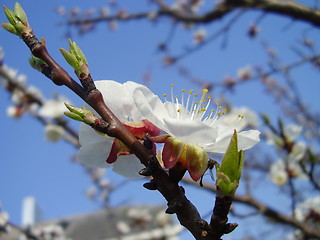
<point>204,93</point>
<point>172,100</point>
<point>182,96</point>
<point>165,97</point>
<point>177,106</point>
<point>189,94</point>
<point>196,109</point>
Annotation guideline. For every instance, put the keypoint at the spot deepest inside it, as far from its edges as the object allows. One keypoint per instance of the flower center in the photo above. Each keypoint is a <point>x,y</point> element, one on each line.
<point>195,107</point>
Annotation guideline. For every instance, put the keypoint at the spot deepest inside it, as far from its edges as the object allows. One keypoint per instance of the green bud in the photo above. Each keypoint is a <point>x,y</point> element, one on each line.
<point>266,119</point>
<point>280,124</point>
<point>20,13</point>
<point>79,111</point>
<point>76,51</point>
<point>18,20</point>
<point>225,185</point>
<point>11,16</point>
<point>10,28</point>
<point>73,116</point>
<point>19,27</point>
<point>76,58</point>
<point>80,114</point>
<point>69,58</point>
<point>229,172</point>
<point>36,63</point>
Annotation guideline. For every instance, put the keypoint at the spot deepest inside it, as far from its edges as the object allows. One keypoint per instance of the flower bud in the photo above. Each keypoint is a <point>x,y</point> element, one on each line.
<point>229,172</point>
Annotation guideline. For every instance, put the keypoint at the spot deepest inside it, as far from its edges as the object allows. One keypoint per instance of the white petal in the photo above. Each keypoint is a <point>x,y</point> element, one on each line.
<point>150,106</point>
<point>292,131</point>
<point>116,98</point>
<point>298,151</point>
<point>95,155</point>
<point>128,166</point>
<point>53,108</point>
<point>246,140</point>
<point>190,131</point>
<point>88,136</point>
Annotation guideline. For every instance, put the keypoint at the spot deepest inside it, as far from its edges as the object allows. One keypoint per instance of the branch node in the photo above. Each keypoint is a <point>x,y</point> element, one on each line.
<point>152,185</point>
<point>229,227</point>
<point>147,143</point>
<point>151,168</point>
<point>173,207</point>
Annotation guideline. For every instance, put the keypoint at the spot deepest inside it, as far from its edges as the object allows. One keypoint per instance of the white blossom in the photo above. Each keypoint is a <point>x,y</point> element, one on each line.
<point>53,108</point>
<point>278,173</point>
<point>35,92</point>
<point>53,132</point>
<point>200,35</point>
<point>298,151</point>
<point>190,122</point>
<point>12,111</point>
<point>96,148</point>
<point>304,208</point>
<point>245,73</point>
<point>291,132</point>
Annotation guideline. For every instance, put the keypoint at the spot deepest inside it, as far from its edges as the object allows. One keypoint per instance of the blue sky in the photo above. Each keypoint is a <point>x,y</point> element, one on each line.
<point>32,166</point>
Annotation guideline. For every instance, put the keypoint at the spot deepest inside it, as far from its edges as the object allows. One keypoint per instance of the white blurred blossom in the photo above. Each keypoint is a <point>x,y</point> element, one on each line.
<point>104,11</point>
<point>53,108</point>
<point>298,151</point>
<point>35,92</point>
<point>12,111</point>
<point>21,80</point>
<point>17,97</point>
<point>200,35</point>
<point>53,132</point>
<point>303,209</point>
<point>245,73</point>
<point>278,173</point>
<point>91,192</point>
<point>291,132</point>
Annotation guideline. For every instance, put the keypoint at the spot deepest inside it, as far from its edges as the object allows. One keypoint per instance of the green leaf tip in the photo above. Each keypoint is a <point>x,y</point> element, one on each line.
<point>10,28</point>
<point>20,13</point>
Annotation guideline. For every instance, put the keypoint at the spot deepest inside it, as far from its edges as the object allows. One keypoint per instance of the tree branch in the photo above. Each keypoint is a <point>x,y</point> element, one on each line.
<point>265,210</point>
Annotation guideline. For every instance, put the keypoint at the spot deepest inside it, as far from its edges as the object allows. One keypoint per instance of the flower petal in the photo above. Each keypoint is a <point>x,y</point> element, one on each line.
<point>292,131</point>
<point>89,136</point>
<point>150,106</point>
<point>246,140</point>
<point>95,155</point>
<point>128,166</point>
<point>116,98</point>
<point>191,131</point>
